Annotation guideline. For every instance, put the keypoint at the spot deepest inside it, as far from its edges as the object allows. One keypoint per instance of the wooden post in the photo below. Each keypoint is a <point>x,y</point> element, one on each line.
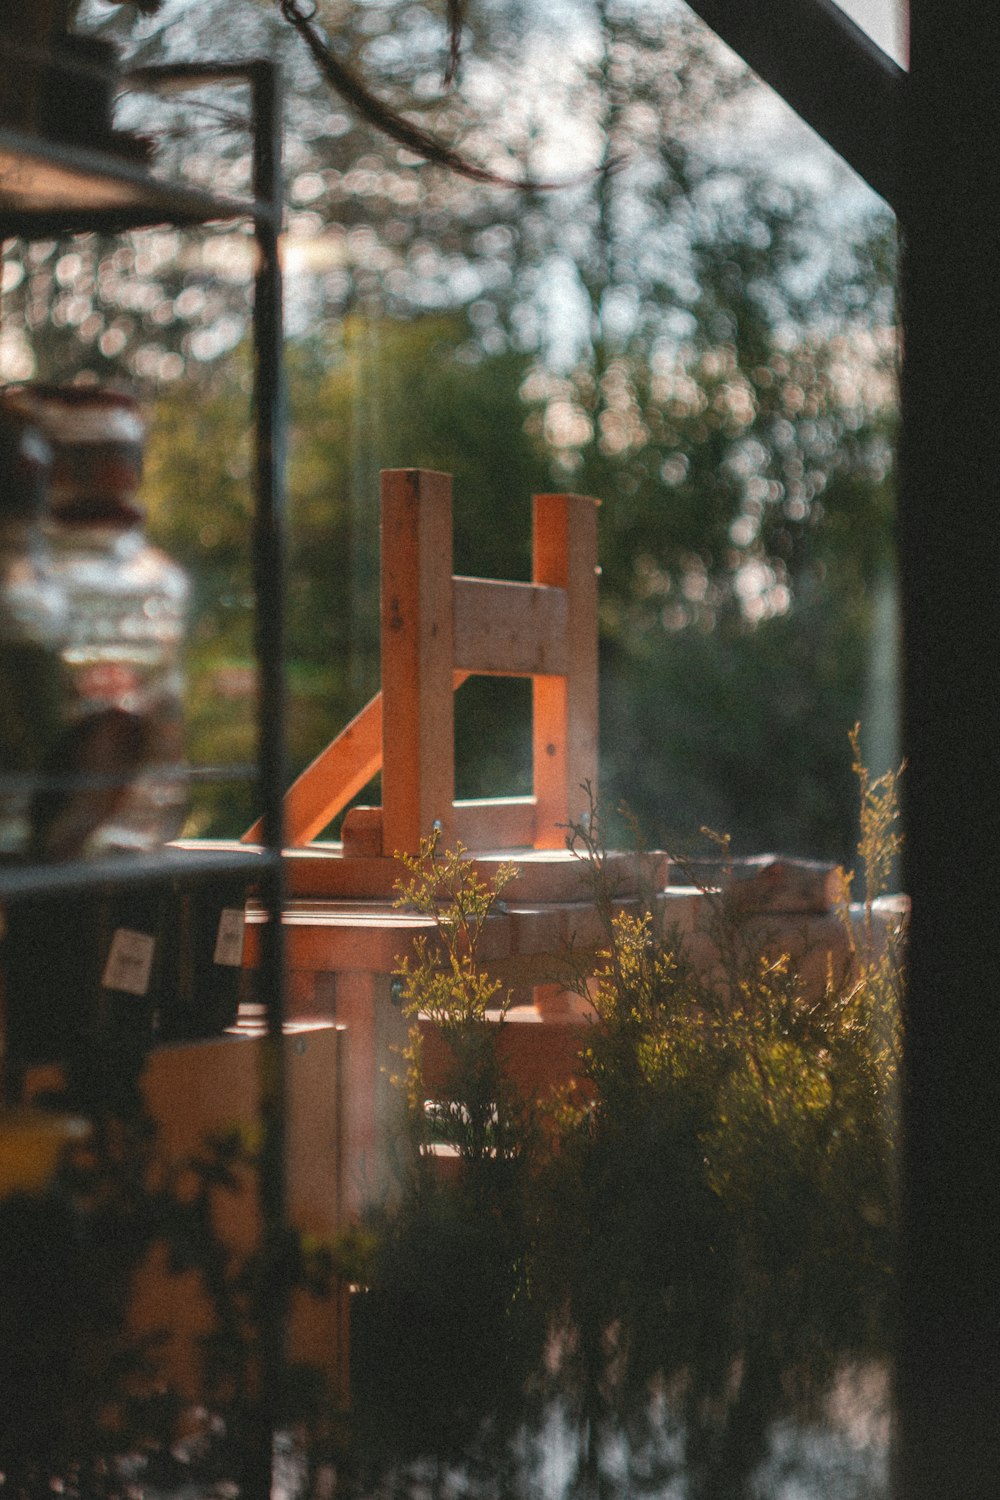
<point>565,706</point>
<point>375,1035</point>
<point>418,714</point>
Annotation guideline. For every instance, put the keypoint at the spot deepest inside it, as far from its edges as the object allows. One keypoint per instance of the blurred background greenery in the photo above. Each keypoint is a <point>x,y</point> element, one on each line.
<point>698,327</point>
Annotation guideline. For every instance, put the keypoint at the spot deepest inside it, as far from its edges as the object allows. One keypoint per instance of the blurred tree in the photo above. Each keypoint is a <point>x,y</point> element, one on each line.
<point>369,396</point>
<point>683,335</point>
<point>732,405</point>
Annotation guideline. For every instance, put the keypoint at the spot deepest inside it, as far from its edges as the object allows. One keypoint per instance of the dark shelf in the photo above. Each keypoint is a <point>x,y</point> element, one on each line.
<point>128,871</point>
<point>48,188</point>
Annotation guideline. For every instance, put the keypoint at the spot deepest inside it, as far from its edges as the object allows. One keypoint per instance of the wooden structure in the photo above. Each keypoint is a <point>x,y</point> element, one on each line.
<point>343,935</point>
<point>437,630</point>
<point>194,1091</point>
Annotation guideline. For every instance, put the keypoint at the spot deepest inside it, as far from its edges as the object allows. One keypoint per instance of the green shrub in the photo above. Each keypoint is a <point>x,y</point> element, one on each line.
<point>709,1219</point>
<point>446,1334</point>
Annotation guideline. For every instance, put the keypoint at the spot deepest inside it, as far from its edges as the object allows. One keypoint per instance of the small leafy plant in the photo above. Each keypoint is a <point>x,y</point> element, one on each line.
<point>445,981</point>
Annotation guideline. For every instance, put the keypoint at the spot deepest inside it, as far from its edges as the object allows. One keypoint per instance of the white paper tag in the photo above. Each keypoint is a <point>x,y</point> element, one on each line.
<point>229,938</point>
<point>130,960</point>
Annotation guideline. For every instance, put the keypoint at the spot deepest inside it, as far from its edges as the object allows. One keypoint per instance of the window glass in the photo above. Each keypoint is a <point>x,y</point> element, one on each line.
<point>885,22</point>
<point>649,283</point>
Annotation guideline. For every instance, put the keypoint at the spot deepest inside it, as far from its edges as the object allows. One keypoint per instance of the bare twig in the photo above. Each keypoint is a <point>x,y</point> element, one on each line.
<point>345,82</point>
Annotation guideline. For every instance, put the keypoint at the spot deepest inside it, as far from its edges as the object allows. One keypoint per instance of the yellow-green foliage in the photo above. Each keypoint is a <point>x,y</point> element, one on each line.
<point>715,1213</point>
<point>447,981</point>
<point>725,1198</point>
<point>881,840</point>
<point>444,980</point>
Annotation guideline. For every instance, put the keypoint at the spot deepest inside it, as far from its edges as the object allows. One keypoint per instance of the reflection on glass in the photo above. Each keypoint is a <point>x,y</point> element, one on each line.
<point>698,327</point>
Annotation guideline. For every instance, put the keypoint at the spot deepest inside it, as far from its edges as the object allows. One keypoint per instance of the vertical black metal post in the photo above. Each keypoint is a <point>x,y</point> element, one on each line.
<point>949,1364</point>
<point>269,565</point>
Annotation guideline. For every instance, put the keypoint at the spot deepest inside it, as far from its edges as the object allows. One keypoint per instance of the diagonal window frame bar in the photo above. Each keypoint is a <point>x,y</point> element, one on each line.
<point>829,71</point>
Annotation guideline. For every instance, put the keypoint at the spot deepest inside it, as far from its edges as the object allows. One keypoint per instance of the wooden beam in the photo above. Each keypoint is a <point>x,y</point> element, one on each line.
<point>509,629</point>
<point>564,728</point>
<point>418,702</point>
<point>336,775</point>
<point>486,823</point>
<point>496,823</point>
<point>831,73</point>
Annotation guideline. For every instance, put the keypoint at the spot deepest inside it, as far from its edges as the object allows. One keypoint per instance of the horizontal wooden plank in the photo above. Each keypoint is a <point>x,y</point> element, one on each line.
<point>509,629</point>
<point>537,1058</point>
<point>483,823</point>
<point>323,870</point>
<point>328,939</point>
<point>495,823</point>
<point>529,944</point>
